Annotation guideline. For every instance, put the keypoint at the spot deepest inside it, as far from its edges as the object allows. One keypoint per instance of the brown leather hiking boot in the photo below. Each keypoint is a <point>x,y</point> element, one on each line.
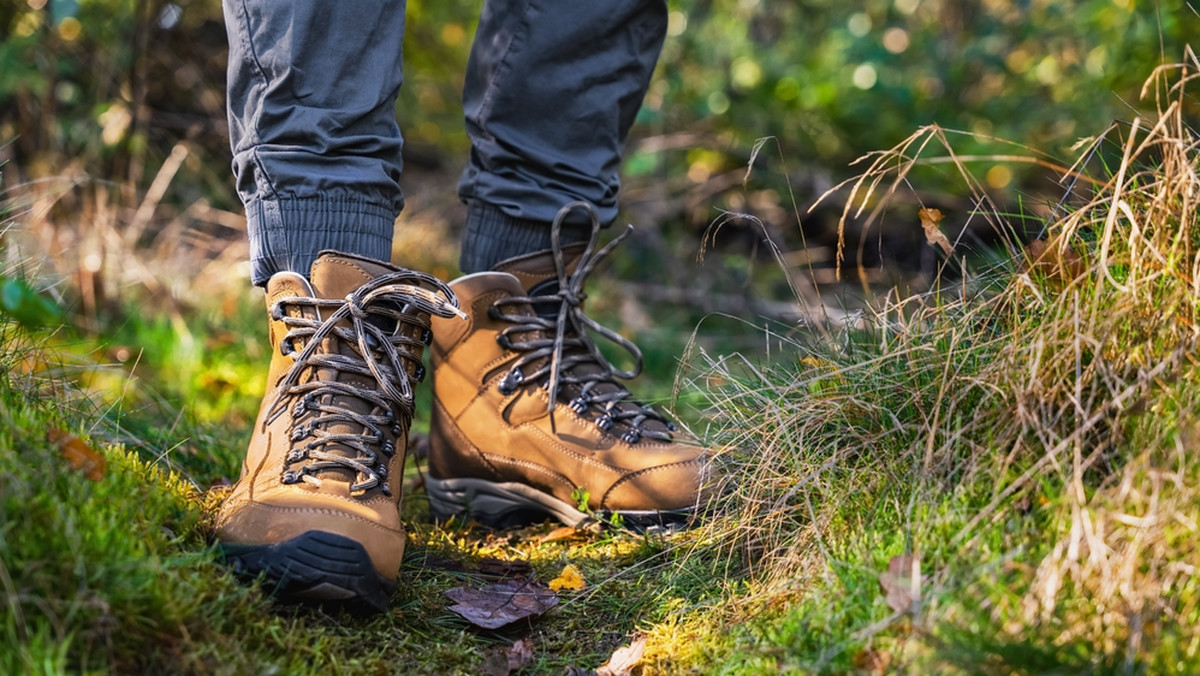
<point>316,508</point>
<point>528,417</point>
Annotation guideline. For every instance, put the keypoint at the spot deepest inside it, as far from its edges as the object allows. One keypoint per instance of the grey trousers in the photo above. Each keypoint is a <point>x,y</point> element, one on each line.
<point>552,89</point>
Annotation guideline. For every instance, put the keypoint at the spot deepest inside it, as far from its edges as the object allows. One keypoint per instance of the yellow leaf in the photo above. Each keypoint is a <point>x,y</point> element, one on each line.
<point>78,455</point>
<point>569,578</point>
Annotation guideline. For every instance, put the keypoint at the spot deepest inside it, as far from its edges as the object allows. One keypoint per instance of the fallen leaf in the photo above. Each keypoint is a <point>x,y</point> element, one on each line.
<point>78,455</point>
<point>504,661</point>
<point>901,583</point>
<point>873,661</point>
<point>1058,263</point>
<point>569,578</point>
<point>930,218</point>
<point>561,533</point>
<point>502,603</point>
<point>624,659</point>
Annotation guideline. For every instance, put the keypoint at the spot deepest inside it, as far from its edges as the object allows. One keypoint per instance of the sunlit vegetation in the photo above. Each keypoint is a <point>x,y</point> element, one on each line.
<point>952,386</point>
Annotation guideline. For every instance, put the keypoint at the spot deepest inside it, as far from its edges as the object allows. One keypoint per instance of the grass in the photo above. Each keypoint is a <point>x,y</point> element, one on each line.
<point>1030,445</point>
<point>1025,432</point>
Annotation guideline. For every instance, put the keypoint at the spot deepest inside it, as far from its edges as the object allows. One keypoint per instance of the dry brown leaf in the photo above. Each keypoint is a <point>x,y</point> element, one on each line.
<point>873,661</point>
<point>562,533</point>
<point>624,659</point>
<point>504,661</point>
<point>78,454</point>
<point>502,603</point>
<point>901,583</point>
<point>930,218</point>
<point>569,578</point>
<point>1057,262</point>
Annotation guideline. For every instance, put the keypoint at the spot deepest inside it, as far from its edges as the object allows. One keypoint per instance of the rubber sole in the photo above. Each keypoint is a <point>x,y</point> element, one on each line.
<point>509,504</point>
<point>315,566</point>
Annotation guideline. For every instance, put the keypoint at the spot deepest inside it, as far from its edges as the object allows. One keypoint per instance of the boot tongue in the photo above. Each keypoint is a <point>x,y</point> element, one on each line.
<point>537,267</point>
<point>337,275</point>
<point>539,277</point>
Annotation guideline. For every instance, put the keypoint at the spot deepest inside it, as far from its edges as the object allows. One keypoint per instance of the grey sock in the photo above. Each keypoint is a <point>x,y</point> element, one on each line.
<point>288,234</point>
<point>491,236</point>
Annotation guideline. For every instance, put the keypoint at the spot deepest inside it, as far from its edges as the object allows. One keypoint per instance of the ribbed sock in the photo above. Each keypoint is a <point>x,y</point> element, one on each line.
<point>491,236</point>
<point>289,234</point>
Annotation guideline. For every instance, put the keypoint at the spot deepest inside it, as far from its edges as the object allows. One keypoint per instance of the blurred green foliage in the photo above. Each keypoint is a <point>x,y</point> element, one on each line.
<point>110,86</point>
<point>19,300</point>
<point>834,80</point>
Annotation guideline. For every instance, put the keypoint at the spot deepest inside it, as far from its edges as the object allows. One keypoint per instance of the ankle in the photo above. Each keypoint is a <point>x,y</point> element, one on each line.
<point>492,236</point>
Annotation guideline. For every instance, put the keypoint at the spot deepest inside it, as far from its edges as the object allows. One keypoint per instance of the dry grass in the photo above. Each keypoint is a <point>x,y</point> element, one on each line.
<point>103,245</point>
<point>1028,432</point>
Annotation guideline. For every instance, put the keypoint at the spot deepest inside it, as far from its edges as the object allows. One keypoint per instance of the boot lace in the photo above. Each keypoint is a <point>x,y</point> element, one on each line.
<point>561,354</point>
<point>376,323</point>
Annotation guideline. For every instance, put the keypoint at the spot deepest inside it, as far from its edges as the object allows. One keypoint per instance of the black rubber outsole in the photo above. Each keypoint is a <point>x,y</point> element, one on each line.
<point>314,567</point>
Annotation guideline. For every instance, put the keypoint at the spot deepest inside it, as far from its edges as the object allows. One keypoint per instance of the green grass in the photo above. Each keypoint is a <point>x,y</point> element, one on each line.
<point>118,575</point>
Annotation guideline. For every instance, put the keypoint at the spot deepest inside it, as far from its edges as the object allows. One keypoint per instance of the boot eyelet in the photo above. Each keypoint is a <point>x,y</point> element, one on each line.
<point>290,476</point>
<point>578,404</point>
<point>277,312</point>
<point>427,336</point>
<point>604,422</point>
<point>631,437</point>
<point>419,373</point>
<point>511,381</point>
<point>504,341</point>
<point>493,312</point>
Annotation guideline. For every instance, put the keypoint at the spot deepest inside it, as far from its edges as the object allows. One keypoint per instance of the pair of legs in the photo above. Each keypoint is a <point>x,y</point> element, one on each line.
<point>528,418</point>
<point>551,91</point>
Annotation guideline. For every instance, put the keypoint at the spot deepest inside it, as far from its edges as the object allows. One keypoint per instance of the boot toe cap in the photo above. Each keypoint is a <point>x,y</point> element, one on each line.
<point>676,486</point>
<point>264,523</point>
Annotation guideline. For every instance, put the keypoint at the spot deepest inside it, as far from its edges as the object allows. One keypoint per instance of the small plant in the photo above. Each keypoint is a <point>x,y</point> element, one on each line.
<point>581,496</point>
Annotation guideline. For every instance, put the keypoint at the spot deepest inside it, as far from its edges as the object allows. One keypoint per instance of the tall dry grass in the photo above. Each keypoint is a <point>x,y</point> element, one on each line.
<point>1028,433</point>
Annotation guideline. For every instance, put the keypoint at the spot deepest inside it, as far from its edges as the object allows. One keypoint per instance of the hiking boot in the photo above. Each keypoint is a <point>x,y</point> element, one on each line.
<point>530,420</point>
<point>316,510</point>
